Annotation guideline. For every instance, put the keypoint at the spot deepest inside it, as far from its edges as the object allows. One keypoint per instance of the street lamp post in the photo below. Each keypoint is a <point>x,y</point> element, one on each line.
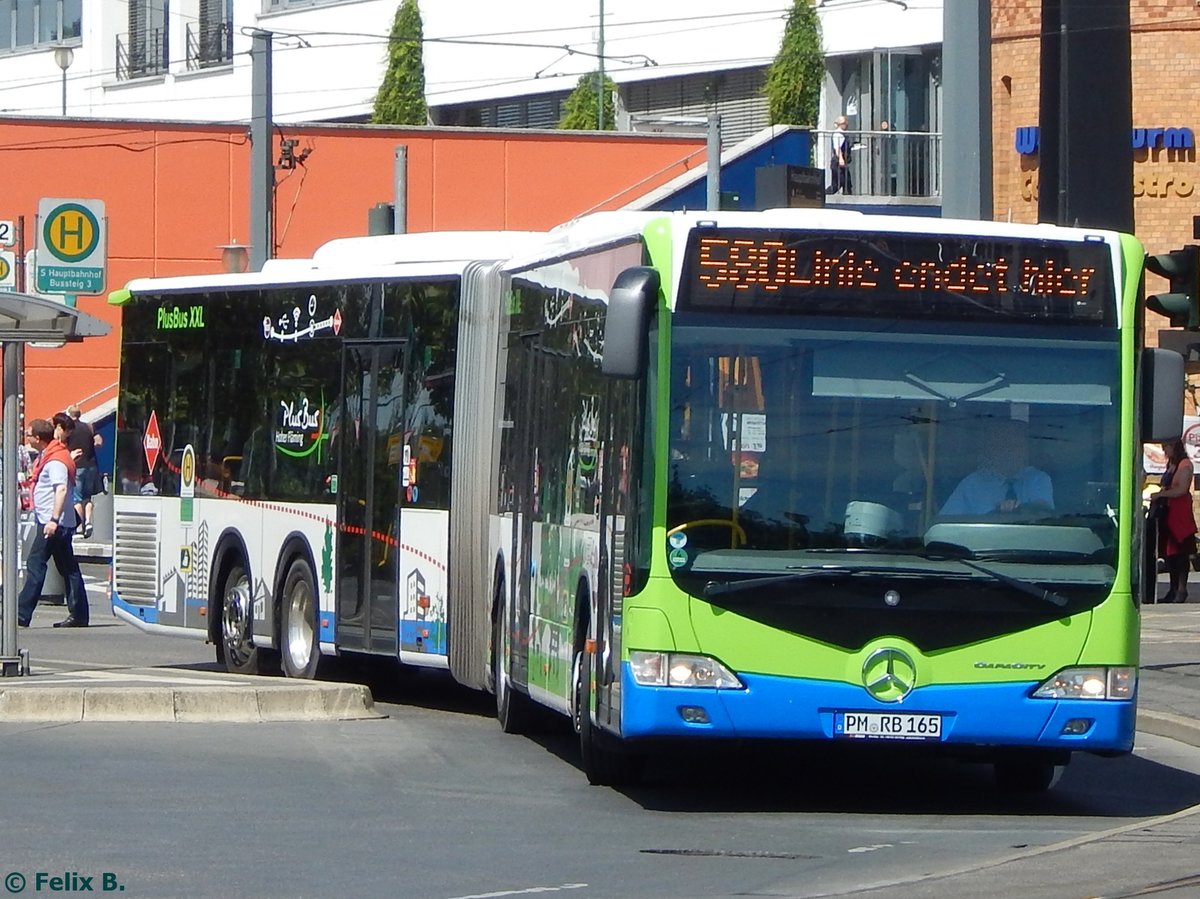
<point>63,57</point>
<point>235,257</point>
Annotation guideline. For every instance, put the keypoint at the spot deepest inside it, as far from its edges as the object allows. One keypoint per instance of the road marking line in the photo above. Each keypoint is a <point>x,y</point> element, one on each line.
<point>526,892</point>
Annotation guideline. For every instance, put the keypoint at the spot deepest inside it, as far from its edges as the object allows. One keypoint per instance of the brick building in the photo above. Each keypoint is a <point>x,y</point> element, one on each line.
<point>1165,59</point>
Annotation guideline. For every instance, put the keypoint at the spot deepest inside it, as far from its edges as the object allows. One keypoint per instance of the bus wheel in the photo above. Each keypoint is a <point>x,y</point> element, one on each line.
<point>237,609</point>
<point>604,762</point>
<point>514,710</point>
<point>301,654</point>
<point>1026,775</point>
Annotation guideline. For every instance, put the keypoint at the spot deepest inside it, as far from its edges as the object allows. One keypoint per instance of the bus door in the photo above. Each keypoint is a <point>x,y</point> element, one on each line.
<point>371,465</point>
<point>528,484</point>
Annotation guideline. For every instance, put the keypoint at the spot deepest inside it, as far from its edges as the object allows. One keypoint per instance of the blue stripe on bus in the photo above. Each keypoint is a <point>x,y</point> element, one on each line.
<point>799,709</point>
<point>148,614</point>
<point>423,636</point>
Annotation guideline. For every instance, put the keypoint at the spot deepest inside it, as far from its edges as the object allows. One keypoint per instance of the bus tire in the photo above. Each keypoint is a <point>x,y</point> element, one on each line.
<point>299,638</point>
<point>605,763</point>
<point>1026,775</point>
<point>515,711</point>
<point>235,647</point>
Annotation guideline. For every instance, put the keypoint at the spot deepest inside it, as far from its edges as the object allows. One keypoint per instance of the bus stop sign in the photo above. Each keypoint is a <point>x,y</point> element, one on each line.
<point>73,246</point>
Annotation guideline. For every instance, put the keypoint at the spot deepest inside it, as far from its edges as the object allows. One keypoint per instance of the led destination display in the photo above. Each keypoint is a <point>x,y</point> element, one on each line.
<point>940,275</point>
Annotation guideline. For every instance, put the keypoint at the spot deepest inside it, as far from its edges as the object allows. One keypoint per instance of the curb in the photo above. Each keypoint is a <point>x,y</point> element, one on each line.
<point>1173,727</point>
<point>311,702</point>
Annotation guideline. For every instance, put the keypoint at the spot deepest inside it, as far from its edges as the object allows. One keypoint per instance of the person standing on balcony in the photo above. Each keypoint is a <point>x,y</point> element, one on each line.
<point>839,158</point>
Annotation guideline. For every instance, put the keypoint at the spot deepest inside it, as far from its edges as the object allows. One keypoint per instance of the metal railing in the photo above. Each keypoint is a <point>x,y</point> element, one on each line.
<point>142,54</point>
<point>209,44</point>
<point>888,163</point>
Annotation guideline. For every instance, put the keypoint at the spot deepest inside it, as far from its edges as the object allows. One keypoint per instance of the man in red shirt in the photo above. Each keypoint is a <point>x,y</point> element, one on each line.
<point>54,519</point>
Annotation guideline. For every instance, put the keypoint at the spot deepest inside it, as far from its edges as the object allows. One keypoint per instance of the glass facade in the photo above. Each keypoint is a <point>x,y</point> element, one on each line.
<point>26,24</point>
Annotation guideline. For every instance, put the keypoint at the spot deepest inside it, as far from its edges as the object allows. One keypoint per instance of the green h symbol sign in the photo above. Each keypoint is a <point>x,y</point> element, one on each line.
<point>71,232</point>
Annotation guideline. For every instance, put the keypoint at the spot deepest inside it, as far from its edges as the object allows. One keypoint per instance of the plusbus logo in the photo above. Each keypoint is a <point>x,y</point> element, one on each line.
<point>300,430</point>
<point>1169,138</point>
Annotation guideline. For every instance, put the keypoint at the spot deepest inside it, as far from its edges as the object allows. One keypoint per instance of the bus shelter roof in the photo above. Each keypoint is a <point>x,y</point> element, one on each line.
<point>25,319</point>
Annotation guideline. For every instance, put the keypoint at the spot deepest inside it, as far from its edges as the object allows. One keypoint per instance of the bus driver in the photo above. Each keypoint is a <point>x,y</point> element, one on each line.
<point>1004,480</point>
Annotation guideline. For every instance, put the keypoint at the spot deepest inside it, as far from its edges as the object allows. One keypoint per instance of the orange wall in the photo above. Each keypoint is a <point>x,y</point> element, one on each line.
<point>175,193</point>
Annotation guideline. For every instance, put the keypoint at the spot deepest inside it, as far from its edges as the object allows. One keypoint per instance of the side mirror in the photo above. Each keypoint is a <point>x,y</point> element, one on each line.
<point>1163,382</point>
<point>628,322</point>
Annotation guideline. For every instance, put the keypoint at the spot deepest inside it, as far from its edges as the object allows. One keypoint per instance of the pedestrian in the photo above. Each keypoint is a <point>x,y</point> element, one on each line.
<point>27,457</point>
<point>83,442</point>
<point>1172,509</point>
<point>54,526</point>
<point>839,158</point>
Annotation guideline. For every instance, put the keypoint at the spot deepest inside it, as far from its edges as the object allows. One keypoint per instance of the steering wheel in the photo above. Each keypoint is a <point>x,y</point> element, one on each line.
<point>739,533</point>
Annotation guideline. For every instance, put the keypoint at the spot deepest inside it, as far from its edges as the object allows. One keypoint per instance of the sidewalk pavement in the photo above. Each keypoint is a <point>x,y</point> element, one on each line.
<point>63,691</point>
<point>198,698</point>
<point>1169,681</point>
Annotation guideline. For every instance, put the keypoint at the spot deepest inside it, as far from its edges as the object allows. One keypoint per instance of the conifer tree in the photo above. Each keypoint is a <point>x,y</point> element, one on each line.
<point>580,112</point>
<point>401,97</point>
<point>793,85</point>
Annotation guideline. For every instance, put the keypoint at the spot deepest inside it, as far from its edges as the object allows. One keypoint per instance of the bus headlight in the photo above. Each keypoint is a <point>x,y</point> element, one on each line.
<point>677,669</point>
<point>1089,683</point>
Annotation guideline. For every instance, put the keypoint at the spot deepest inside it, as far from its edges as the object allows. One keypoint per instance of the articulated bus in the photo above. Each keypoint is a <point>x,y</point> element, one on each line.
<point>791,475</point>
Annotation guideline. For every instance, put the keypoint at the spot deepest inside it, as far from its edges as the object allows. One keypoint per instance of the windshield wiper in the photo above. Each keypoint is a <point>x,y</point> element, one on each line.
<point>1024,586</point>
<point>1040,556</point>
<point>956,553</point>
<point>717,588</point>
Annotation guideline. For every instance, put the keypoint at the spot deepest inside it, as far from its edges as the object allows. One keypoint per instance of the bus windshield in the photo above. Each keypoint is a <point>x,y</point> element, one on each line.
<point>954,450</point>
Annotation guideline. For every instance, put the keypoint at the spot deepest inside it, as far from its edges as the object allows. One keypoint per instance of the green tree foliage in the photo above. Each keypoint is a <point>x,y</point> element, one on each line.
<point>794,80</point>
<point>580,109</point>
<point>401,97</point>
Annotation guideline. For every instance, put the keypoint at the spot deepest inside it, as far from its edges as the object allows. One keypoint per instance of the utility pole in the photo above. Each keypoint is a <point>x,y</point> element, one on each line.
<point>1085,115</point>
<point>262,161</point>
<point>600,79</point>
<point>712,183</point>
<point>966,89</point>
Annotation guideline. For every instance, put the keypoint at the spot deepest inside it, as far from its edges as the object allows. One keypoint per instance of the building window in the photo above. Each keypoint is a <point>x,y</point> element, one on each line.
<point>517,112</point>
<point>210,41</point>
<point>276,5</point>
<point>39,23</point>
<point>145,50</point>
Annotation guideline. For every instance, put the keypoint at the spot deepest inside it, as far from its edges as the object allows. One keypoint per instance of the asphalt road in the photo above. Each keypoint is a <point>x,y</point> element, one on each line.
<point>434,801</point>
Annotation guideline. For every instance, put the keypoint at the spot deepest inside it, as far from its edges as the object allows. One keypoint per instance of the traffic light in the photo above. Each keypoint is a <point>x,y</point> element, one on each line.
<point>1182,305</point>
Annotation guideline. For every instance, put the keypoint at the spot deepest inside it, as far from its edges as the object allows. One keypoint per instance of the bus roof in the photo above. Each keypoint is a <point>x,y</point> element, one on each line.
<point>823,218</point>
<point>448,253</point>
<point>424,254</point>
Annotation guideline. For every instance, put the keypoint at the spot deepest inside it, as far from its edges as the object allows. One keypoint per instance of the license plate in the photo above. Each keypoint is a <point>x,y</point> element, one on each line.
<point>888,726</point>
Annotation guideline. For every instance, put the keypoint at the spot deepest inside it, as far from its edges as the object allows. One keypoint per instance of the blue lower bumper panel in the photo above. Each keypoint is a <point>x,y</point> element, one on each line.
<point>148,614</point>
<point>784,708</point>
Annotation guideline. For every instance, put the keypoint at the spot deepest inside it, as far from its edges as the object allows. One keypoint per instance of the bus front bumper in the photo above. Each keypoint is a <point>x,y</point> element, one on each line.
<point>785,708</point>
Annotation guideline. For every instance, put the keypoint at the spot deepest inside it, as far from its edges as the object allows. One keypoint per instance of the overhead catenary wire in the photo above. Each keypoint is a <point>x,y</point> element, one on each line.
<point>305,42</point>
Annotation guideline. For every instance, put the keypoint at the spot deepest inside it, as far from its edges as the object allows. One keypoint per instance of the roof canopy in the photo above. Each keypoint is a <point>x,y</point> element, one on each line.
<point>25,318</point>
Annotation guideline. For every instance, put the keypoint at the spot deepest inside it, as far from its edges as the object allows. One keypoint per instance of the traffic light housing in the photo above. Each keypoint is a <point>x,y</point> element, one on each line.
<point>1182,304</point>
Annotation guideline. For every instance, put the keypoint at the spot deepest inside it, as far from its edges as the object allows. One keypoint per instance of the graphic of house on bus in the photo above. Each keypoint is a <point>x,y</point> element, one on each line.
<point>423,627</point>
